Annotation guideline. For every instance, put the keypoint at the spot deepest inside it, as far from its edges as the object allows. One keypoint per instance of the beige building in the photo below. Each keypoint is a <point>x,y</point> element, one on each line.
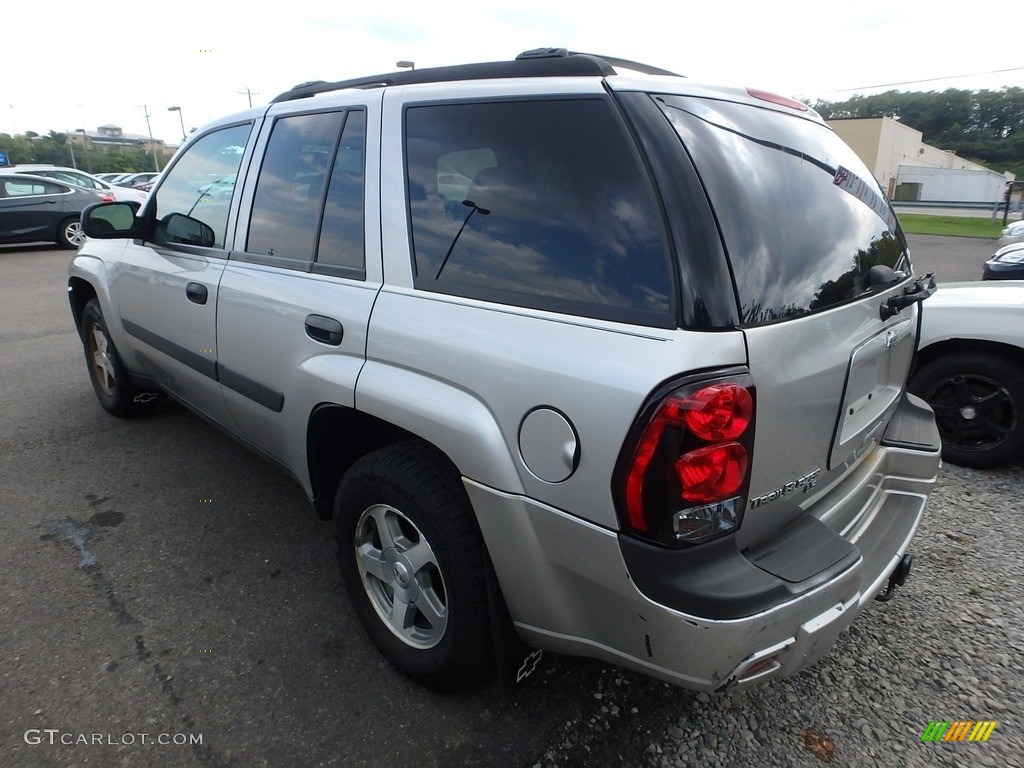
<point>910,170</point>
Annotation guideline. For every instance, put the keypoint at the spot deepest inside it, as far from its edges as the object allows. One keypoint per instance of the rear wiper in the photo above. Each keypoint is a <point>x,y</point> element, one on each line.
<point>911,295</point>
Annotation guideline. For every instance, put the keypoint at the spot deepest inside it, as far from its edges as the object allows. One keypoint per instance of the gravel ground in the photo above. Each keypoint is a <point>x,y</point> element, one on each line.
<point>949,647</point>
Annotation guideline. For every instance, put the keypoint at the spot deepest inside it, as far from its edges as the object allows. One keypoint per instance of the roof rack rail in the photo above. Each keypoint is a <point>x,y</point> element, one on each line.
<point>539,62</point>
<point>636,66</point>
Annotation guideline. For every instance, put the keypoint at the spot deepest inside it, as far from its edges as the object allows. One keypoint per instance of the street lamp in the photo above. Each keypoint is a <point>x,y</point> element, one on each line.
<point>406,64</point>
<point>180,118</point>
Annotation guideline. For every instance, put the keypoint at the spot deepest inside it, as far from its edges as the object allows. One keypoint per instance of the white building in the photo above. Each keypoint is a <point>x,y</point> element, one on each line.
<point>910,170</point>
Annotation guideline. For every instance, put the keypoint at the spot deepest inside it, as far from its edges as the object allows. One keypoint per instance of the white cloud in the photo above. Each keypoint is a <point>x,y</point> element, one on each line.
<point>112,59</point>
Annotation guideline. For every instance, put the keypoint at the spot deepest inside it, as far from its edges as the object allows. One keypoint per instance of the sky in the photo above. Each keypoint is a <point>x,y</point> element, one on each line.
<point>70,65</point>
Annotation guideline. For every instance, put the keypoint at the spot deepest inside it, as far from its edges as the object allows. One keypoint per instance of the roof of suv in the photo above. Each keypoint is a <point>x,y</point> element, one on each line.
<point>539,62</point>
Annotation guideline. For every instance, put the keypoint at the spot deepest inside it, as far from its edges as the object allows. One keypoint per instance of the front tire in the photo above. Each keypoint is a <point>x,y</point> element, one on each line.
<point>109,379</point>
<point>978,399</point>
<point>412,560</point>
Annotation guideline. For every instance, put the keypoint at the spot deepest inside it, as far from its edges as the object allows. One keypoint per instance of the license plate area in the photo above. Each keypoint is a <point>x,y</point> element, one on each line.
<point>874,380</point>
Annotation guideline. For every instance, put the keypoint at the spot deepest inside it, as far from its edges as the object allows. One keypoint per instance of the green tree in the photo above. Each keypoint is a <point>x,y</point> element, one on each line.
<point>984,126</point>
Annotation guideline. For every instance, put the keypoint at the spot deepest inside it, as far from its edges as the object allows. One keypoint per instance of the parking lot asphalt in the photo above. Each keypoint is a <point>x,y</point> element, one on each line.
<point>162,584</point>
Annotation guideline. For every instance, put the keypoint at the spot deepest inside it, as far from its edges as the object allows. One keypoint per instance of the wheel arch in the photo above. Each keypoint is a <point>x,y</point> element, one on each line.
<point>971,346</point>
<point>336,437</point>
<point>80,291</point>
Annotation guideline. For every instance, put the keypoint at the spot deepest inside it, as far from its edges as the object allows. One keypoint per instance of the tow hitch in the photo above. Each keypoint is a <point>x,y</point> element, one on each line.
<point>896,579</point>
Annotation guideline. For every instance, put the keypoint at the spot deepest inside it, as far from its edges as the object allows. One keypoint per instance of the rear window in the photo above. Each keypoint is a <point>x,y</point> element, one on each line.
<point>802,218</point>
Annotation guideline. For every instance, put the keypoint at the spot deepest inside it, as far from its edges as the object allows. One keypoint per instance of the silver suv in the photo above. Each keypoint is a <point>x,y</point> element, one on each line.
<point>579,356</point>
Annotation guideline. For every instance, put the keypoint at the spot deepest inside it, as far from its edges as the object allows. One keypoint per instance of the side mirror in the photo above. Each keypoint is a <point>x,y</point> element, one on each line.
<point>108,221</point>
<point>179,228</point>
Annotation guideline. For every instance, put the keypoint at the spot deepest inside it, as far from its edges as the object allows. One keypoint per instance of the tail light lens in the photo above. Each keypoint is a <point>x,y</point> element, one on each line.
<point>685,470</point>
<point>107,197</point>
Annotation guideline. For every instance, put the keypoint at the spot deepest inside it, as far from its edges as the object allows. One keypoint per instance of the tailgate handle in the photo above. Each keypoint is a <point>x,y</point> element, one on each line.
<point>911,295</point>
<point>324,329</point>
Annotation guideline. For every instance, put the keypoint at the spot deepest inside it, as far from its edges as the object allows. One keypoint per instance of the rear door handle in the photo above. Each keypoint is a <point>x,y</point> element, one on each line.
<point>197,293</point>
<point>324,329</point>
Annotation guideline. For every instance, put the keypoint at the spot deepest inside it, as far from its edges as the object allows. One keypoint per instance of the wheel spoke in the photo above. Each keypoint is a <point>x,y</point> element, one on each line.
<point>997,399</point>
<point>996,432</point>
<point>943,410</point>
<point>402,616</point>
<point>387,526</point>
<point>420,556</point>
<point>371,562</point>
<point>961,391</point>
<point>433,609</point>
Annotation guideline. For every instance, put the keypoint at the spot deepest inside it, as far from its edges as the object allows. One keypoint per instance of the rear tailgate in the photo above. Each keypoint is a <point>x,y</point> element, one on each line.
<point>815,252</point>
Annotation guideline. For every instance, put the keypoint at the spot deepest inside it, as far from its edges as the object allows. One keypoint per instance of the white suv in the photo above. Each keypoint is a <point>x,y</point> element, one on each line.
<point>578,355</point>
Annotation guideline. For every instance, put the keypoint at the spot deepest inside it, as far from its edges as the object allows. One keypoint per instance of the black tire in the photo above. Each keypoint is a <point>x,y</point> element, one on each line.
<point>978,399</point>
<point>70,234</point>
<point>110,381</point>
<point>412,560</point>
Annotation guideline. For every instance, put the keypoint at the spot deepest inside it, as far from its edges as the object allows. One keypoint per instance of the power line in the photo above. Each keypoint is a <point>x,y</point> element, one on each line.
<point>928,80</point>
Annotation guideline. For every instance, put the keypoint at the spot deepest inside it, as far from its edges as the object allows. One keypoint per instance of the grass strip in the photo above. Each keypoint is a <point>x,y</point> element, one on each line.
<point>953,226</point>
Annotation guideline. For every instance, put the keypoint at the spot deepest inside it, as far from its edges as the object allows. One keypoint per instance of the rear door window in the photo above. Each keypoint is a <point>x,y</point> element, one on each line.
<point>309,195</point>
<point>541,204</point>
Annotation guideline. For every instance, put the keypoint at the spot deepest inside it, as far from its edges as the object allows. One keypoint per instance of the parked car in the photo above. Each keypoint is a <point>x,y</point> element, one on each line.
<point>1012,233</point>
<point>35,209</point>
<point>619,395</point>
<point>79,179</point>
<point>970,369</point>
<point>146,186</point>
<point>108,177</point>
<point>131,180</point>
<point>1006,264</point>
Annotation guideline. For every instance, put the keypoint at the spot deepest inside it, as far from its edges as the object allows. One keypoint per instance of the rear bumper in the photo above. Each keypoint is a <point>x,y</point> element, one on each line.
<point>570,588</point>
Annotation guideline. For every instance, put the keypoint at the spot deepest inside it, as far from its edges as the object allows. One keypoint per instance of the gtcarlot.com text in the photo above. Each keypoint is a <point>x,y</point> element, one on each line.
<point>57,737</point>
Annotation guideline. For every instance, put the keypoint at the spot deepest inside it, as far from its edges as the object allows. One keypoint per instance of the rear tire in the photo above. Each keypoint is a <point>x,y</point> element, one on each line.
<point>412,560</point>
<point>978,399</point>
<point>70,234</point>
<point>107,373</point>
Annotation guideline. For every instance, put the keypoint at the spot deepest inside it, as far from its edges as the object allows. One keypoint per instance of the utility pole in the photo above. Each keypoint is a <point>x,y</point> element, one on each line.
<point>250,94</point>
<point>152,144</point>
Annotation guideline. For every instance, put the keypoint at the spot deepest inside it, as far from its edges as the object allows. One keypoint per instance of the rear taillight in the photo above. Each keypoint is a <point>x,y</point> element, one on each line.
<point>107,197</point>
<point>684,473</point>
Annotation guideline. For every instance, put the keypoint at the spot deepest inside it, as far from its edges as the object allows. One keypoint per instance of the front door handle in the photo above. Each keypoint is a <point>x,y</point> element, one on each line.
<point>197,293</point>
<point>324,329</point>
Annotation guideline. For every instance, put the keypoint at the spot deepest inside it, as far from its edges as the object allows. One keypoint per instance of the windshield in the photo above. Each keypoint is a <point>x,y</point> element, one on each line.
<point>802,218</point>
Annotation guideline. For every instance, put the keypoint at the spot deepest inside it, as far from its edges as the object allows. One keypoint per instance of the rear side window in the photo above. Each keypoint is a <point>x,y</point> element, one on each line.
<point>802,217</point>
<point>540,204</point>
<point>28,188</point>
